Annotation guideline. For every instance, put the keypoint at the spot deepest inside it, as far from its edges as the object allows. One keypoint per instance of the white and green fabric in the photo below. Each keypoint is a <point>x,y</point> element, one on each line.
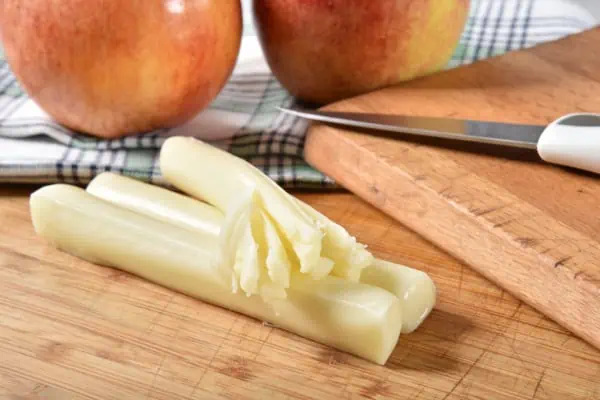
<point>243,119</point>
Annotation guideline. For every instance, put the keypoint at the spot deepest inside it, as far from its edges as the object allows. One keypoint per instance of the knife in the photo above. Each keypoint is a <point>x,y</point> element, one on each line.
<point>572,140</point>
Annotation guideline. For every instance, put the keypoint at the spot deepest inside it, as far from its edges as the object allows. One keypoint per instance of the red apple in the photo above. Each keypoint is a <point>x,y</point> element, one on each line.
<point>326,50</point>
<point>115,67</point>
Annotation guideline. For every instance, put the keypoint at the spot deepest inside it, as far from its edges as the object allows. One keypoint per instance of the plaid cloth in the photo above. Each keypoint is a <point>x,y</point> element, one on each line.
<point>243,119</point>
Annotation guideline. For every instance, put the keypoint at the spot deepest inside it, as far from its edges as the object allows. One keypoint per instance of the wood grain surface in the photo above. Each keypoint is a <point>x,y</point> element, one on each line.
<point>74,330</point>
<point>532,228</point>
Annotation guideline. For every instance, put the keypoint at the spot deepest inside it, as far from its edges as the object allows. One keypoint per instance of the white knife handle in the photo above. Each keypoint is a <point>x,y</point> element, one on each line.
<point>573,141</point>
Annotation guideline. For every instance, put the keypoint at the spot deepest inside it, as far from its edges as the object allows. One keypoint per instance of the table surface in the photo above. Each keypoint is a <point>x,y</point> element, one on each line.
<point>71,329</point>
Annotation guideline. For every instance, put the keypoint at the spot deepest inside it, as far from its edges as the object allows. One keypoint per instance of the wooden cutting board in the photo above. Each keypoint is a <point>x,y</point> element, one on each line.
<point>530,227</point>
<point>74,330</point>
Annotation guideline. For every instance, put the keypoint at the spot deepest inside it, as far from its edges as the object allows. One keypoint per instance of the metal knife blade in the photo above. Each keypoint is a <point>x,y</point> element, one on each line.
<point>515,135</point>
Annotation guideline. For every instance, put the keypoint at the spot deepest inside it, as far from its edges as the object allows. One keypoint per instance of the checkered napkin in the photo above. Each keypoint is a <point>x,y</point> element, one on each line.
<point>243,119</point>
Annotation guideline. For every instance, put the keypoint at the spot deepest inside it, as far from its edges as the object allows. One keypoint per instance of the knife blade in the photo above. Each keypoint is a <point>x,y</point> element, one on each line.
<point>572,140</point>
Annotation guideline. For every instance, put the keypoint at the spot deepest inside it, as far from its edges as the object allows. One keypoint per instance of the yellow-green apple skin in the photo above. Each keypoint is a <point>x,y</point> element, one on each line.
<point>322,51</point>
<point>115,67</point>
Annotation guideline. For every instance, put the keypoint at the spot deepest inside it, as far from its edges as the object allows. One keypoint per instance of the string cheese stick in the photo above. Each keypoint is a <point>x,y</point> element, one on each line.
<point>415,289</point>
<point>360,319</point>
<point>189,165</point>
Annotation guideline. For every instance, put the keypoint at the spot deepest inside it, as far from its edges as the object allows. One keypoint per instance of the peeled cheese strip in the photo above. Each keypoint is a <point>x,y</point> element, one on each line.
<point>415,289</point>
<point>190,165</point>
<point>360,319</point>
<point>337,241</point>
<point>157,202</point>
